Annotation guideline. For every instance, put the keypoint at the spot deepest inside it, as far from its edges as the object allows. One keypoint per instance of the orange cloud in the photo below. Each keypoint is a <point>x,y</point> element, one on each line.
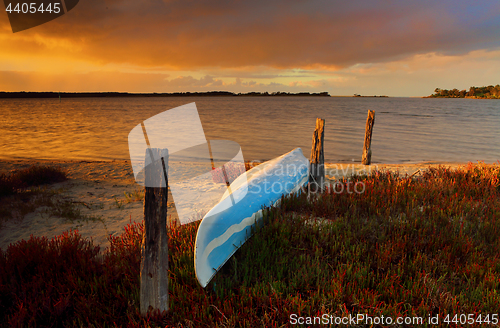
<point>188,35</point>
<point>417,75</point>
<point>79,82</point>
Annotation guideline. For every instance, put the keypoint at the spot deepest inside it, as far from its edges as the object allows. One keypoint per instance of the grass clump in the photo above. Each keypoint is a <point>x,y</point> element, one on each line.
<point>22,192</point>
<point>7,186</point>
<point>34,175</point>
<point>64,208</point>
<point>118,203</point>
<point>402,248</point>
<point>135,196</point>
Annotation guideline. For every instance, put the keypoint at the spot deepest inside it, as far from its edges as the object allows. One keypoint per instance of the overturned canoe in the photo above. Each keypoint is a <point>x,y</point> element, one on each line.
<point>230,223</point>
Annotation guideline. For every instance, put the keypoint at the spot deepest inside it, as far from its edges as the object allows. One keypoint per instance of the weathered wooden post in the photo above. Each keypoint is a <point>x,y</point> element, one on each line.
<point>317,160</point>
<point>367,152</point>
<point>154,253</point>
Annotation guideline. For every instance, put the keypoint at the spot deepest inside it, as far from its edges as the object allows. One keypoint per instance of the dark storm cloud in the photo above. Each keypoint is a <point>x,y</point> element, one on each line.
<point>279,34</point>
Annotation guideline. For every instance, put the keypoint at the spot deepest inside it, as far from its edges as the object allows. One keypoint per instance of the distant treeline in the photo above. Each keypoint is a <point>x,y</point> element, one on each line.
<point>356,95</point>
<point>489,92</point>
<point>24,94</point>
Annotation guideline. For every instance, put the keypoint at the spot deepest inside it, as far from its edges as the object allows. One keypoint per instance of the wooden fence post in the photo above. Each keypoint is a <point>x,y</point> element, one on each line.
<point>367,152</point>
<point>154,252</point>
<point>317,160</point>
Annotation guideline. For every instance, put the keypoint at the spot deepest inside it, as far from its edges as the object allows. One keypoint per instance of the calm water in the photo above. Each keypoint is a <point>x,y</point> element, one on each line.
<point>406,129</point>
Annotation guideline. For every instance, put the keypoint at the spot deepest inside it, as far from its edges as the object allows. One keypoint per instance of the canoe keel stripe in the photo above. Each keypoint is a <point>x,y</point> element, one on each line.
<point>235,228</point>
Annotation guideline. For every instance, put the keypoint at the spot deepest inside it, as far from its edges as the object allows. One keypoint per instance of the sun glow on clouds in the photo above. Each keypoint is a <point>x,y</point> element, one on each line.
<point>417,75</point>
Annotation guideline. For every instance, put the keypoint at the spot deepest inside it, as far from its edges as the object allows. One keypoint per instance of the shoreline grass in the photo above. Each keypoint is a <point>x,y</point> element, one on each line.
<point>20,191</point>
<point>404,247</point>
<point>25,190</point>
<point>32,176</point>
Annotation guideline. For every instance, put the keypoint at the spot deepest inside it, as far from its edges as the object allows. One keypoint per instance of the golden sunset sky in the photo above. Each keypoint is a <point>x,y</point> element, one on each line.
<point>382,47</point>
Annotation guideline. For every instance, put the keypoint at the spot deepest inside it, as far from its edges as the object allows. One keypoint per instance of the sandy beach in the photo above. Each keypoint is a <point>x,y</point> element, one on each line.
<point>99,189</point>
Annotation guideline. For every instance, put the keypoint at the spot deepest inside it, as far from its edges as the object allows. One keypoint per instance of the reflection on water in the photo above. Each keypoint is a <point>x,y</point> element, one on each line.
<point>406,129</point>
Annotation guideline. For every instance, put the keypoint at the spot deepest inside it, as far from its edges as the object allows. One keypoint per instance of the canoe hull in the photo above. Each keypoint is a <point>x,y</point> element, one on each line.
<point>231,222</point>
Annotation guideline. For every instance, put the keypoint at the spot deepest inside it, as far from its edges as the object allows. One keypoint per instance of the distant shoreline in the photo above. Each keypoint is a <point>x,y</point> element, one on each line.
<point>23,94</point>
<point>449,97</point>
<point>360,96</point>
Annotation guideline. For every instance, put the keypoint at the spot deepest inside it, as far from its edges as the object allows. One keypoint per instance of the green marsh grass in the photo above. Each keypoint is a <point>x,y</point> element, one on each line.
<point>405,247</point>
<point>135,196</point>
<point>64,208</point>
<point>118,203</point>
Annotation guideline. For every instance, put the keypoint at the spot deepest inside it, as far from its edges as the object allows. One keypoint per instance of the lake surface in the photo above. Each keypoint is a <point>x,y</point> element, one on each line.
<point>406,129</point>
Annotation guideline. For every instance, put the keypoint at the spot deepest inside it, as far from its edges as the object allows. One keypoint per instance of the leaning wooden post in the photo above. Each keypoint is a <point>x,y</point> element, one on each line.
<point>154,253</point>
<point>317,160</point>
<point>367,152</point>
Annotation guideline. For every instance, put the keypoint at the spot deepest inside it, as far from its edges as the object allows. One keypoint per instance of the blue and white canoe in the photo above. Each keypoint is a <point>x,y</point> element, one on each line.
<point>230,223</point>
